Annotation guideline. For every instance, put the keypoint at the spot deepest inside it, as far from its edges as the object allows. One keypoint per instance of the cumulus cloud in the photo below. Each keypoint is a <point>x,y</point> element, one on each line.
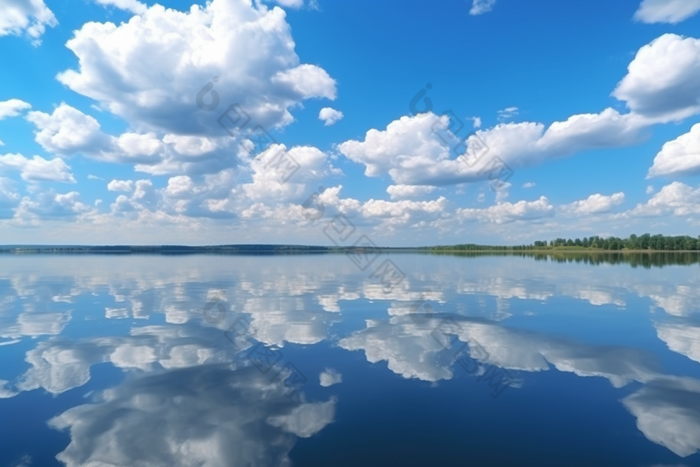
<point>120,185</point>
<point>214,416</point>
<point>37,168</point>
<point>247,48</point>
<point>503,213</point>
<point>12,107</point>
<point>529,185</point>
<point>68,131</point>
<point>661,82</point>
<point>681,338</point>
<point>134,6</point>
<point>329,377</point>
<point>9,197</point>
<point>481,6</point>
<point>330,116</point>
<point>668,413</point>
<point>676,198</point>
<point>51,206</point>
<point>666,11</point>
<point>408,191</point>
<point>408,348</point>
<point>28,17</point>
<point>678,157</point>
<point>412,153</point>
<point>594,204</point>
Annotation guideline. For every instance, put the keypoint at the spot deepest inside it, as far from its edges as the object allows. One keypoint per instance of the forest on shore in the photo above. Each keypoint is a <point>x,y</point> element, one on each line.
<point>633,242</point>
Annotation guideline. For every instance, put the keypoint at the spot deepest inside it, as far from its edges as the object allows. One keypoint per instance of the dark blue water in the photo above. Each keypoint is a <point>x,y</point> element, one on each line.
<point>309,361</point>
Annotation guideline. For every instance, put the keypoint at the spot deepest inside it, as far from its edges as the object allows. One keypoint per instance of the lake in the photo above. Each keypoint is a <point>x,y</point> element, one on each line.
<point>326,360</point>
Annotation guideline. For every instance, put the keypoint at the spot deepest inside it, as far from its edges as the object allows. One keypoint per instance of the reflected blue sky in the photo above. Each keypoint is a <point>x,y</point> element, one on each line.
<point>109,361</point>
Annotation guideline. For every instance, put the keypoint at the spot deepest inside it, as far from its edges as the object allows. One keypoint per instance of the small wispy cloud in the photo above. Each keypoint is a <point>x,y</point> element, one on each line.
<point>507,113</point>
<point>528,184</point>
<point>479,7</point>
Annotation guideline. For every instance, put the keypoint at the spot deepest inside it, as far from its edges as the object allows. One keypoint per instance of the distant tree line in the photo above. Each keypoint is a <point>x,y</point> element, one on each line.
<point>633,242</point>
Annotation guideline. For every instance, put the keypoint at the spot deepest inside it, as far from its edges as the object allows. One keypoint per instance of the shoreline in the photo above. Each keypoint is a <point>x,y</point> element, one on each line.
<point>268,250</point>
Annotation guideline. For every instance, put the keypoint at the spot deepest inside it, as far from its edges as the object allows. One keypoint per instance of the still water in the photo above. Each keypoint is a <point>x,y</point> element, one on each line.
<point>310,361</point>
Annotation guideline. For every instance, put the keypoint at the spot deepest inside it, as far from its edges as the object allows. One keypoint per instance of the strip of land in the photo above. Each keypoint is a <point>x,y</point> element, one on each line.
<point>643,243</point>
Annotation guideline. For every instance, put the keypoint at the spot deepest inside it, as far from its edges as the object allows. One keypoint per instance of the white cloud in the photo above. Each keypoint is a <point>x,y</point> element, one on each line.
<point>507,113</point>
<point>529,185</point>
<point>51,206</point>
<point>681,338</point>
<point>329,377</point>
<point>67,131</point>
<point>476,121</point>
<point>248,48</point>
<point>676,198</point>
<point>661,82</point>
<point>407,348</point>
<point>133,6</point>
<point>678,157</point>
<point>408,191</point>
<point>668,413</point>
<point>37,168</point>
<point>411,153</point>
<point>649,190</point>
<point>9,198</point>
<point>241,420</point>
<point>594,204</point>
<point>25,16</point>
<point>503,213</point>
<point>330,115</point>
<point>120,185</point>
<point>481,6</point>
<point>666,11</point>
<point>12,107</point>
<point>295,4</point>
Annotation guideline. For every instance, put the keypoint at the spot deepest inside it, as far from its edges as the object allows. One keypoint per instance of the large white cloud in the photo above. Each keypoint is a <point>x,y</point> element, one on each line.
<point>595,204</point>
<point>49,205</point>
<point>681,338</point>
<point>678,157</point>
<point>28,17</point>
<point>12,108</point>
<point>68,131</point>
<point>150,69</point>
<point>666,11</point>
<point>411,153</point>
<point>37,168</point>
<point>503,213</point>
<point>676,198</point>
<point>668,413</point>
<point>661,81</point>
<point>207,415</point>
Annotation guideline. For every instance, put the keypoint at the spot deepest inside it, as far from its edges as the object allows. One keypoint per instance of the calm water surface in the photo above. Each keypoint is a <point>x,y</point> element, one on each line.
<point>309,361</point>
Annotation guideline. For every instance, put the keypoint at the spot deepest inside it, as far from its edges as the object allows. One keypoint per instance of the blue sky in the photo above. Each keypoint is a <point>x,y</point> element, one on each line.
<point>592,106</point>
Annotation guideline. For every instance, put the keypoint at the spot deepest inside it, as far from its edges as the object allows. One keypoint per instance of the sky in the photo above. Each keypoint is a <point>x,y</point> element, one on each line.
<point>320,122</point>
